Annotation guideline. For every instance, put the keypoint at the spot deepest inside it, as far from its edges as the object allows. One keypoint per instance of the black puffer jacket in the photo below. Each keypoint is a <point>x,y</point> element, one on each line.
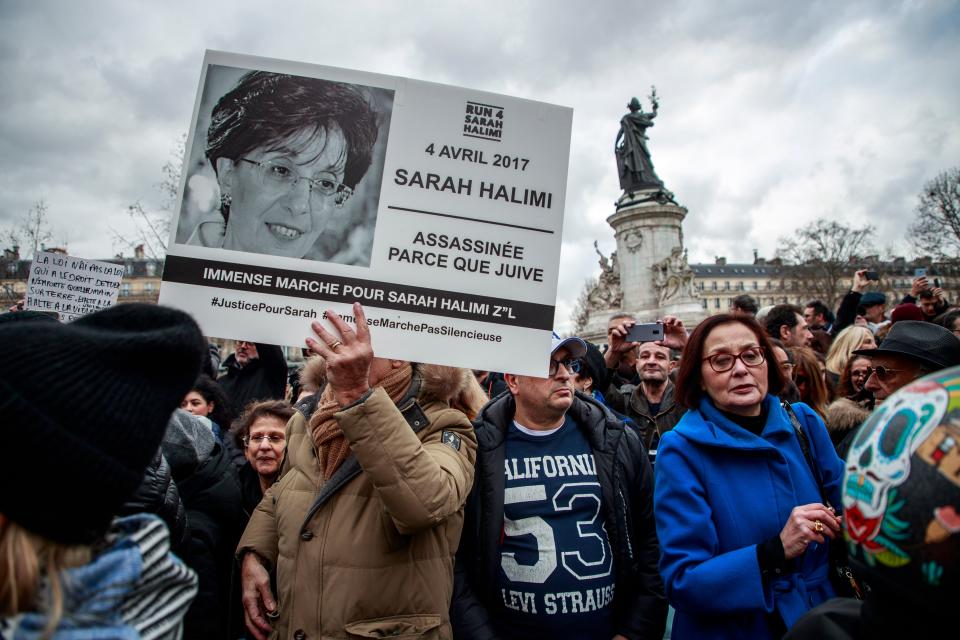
<point>158,495</point>
<point>264,378</point>
<point>213,501</point>
<point>626,484</point>
<point>210,492</point>
<point>631,402</point>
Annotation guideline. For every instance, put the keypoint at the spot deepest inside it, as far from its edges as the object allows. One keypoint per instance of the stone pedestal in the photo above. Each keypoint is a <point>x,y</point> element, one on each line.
<point>653,276</point>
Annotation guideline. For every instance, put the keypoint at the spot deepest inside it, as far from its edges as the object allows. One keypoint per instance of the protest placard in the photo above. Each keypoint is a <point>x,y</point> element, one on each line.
<point>70,286</point>
<point>307,188</point>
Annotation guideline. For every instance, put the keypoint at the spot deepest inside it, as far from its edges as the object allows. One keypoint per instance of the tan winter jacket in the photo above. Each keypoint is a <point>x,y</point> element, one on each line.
<point>369,553</point>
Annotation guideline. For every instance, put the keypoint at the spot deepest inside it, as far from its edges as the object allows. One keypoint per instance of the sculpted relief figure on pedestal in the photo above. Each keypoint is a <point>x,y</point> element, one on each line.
<point>607,294</point>
<point>673,277</point>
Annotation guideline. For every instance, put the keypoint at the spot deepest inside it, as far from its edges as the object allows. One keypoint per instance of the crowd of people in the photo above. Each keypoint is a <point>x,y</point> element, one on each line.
<point>781,471</point>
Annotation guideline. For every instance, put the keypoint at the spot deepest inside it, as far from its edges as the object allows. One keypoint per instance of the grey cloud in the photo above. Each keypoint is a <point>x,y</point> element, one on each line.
<point>772,114</point>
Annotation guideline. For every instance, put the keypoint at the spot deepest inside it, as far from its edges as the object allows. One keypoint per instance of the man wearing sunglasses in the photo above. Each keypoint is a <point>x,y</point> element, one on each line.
<point>911,350</point>
<point>558,538</point>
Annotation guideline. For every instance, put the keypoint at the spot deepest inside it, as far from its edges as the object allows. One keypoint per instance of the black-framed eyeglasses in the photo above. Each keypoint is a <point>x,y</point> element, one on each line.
<point>882,372</point>
<point>721,362</point>
<point>258,439</point>
<point>281,176</point>
<point>572,365</point>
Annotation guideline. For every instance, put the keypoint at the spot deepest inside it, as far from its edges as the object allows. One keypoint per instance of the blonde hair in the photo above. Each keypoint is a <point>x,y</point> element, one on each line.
<point>846,342</point>
<point>25,559</point>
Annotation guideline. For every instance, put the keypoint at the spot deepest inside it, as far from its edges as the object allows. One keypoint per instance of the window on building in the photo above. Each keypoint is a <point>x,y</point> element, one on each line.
<point>148,287</point>
<point>726,286</point>
<point>704,303</point>
<point>716,303</point>
<point>755,287</point>
<point>714,283</point>
<point>125,289</point>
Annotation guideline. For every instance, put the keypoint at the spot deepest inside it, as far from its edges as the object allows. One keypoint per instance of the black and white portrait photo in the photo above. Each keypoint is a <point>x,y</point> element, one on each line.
<point>285,165</point>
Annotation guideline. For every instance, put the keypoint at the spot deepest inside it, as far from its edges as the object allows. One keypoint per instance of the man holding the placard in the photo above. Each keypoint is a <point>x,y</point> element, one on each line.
<point>362,527</point>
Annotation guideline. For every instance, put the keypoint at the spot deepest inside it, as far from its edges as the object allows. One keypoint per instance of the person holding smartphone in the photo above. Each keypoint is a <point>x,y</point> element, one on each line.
<point>859,301</point>
<point>927,294</point>
<point>650,404</point>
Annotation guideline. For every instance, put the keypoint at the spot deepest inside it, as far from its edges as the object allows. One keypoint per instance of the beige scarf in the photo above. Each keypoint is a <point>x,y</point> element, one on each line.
<point>332,446</point>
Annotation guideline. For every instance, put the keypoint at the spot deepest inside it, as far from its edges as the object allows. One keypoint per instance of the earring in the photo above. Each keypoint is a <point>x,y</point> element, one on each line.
<point>225,200</point>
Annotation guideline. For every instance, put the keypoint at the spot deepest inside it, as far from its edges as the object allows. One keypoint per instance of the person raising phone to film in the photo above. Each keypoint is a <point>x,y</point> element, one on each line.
<point>650,404</point>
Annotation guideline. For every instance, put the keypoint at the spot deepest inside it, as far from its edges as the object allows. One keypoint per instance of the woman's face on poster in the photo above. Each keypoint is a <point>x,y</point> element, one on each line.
<point>278,206</point>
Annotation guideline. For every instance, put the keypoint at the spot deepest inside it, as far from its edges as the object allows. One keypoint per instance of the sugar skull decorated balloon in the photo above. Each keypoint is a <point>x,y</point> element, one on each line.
<point>901,493</point>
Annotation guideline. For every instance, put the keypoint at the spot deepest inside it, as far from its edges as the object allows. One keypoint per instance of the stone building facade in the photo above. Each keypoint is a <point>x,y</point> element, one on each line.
<point>772,282</point>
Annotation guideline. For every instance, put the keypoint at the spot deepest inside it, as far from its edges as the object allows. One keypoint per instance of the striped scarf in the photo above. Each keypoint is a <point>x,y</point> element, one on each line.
<point>133,588</point>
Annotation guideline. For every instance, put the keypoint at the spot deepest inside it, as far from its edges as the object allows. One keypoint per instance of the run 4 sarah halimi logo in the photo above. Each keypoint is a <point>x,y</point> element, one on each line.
<point>484,121</point>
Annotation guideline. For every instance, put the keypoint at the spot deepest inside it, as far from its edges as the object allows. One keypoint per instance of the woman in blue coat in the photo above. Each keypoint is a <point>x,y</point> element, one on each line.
<point>742,528</point>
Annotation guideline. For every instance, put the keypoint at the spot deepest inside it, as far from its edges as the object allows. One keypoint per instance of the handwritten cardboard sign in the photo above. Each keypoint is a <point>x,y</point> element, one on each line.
<point>70,286</point>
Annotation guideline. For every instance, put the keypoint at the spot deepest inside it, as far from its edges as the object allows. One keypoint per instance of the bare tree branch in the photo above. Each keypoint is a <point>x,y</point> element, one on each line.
<point>152,228</point>
<point>32,232</point>
<point>580,313</point>
<point>820,255</point>
<point>937,225</point>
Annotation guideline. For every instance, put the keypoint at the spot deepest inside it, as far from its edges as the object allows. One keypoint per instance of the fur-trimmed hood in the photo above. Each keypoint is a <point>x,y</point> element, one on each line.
<point>845,414</point>
<point>457,387</point>
<point>313,375</point>
<point>442,383</point>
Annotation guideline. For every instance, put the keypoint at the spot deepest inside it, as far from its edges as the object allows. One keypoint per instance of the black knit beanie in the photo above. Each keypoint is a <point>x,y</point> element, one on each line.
<point>83,408</point>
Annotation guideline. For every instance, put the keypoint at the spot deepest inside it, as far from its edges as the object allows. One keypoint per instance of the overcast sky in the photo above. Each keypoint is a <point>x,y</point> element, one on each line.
<point>772,114</point>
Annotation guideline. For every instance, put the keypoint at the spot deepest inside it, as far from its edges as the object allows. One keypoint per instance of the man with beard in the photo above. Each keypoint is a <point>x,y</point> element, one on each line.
<point>785,322</point>
<point>650,404</point>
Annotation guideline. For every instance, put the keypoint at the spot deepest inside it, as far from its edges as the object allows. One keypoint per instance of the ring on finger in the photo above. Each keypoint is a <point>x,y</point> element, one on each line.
<point>818,526</point>
<point>333,345</point>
